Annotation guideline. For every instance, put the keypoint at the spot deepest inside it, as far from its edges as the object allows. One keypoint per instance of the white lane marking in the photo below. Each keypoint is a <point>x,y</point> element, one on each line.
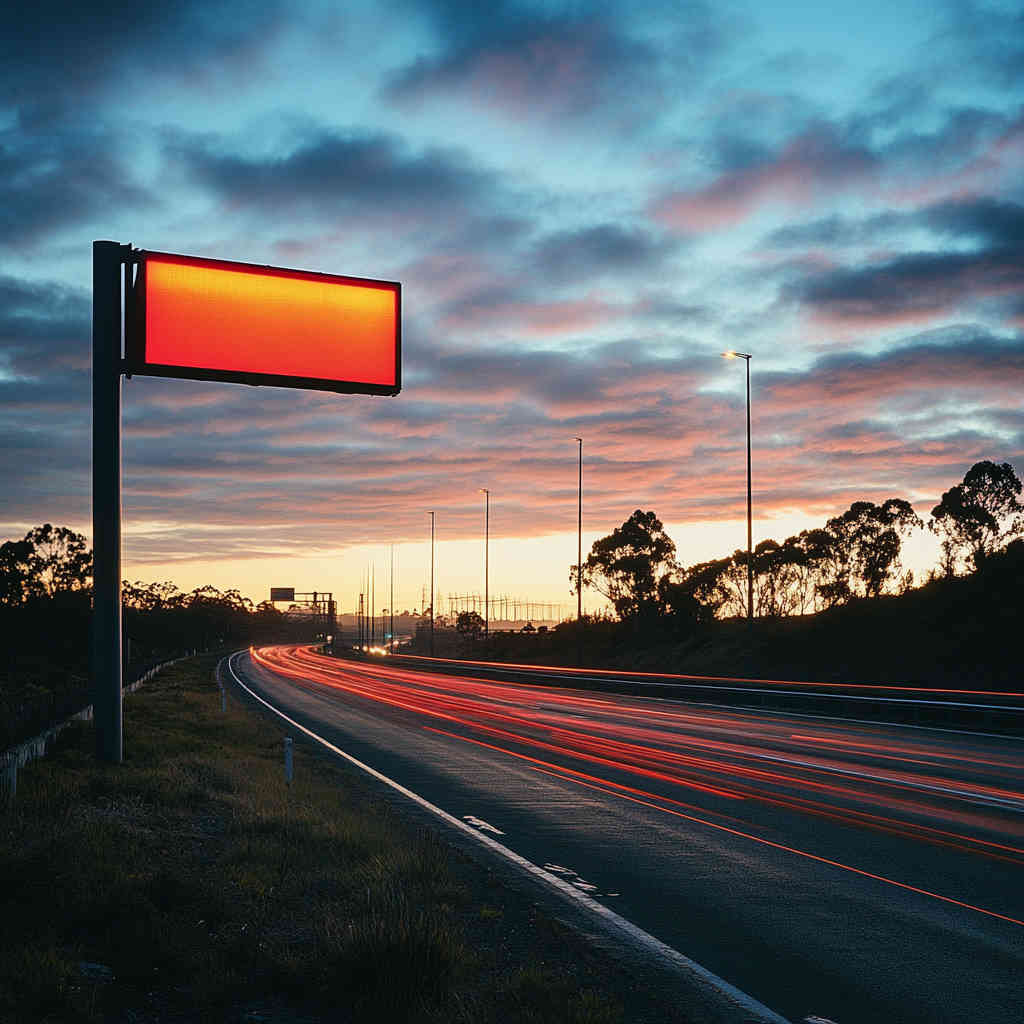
<point>645,940</point>
<point>573,877</point>
<point>481,824</point>
<point>557,869</point>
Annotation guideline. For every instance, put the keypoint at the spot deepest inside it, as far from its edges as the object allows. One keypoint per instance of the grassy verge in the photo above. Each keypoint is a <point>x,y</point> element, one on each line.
<point>191,883</point>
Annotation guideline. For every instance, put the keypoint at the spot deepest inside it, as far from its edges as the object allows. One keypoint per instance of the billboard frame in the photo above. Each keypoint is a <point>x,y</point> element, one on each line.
<point>116,309</point>
<point>135,363</point>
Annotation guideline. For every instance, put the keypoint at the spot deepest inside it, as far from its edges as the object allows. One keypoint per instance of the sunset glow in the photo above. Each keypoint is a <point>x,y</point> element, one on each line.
<point>586,206</point>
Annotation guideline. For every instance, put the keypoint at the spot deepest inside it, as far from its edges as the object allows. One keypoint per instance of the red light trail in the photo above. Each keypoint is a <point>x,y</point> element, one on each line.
<point>925,788</point>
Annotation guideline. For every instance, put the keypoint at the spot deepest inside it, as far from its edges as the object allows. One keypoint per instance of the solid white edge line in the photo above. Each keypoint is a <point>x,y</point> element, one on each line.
<point>748,1004</point>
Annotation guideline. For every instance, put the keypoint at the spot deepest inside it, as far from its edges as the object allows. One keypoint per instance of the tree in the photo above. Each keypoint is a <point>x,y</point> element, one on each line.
<point>60,561</point>
<point>720,584</point>
<point>808,557</point>
<point>777,578</point>
<point>627,565</point>
<point>978,515</point>
<point>469,625</point>
<point>682,613</point>
<point>865,548</point>
<point>878,538</point>
<point>14,571</point>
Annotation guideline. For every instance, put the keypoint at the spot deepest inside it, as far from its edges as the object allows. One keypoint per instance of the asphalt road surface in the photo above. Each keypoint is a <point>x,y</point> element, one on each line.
<point>855,872</point>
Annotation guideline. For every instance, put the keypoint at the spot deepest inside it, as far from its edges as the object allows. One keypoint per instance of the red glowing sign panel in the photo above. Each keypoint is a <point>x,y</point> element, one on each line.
<point>214,320</point>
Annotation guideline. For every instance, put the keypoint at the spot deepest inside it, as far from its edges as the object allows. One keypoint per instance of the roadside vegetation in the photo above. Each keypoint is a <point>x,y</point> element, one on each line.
<point>192,883</point>
<point>45,615</point>
<point>832,603</point>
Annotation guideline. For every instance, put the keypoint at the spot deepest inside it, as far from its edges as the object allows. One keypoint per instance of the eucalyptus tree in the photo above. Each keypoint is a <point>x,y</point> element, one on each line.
<point>978,516</point>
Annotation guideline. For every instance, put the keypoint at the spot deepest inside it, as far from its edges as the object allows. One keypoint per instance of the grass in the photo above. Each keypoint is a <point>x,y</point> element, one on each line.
<point>192,883</point>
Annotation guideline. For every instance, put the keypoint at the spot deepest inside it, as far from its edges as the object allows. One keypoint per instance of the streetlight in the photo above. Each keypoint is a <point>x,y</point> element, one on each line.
<point>431,514</point>
<point>487,542</point>
<point>750,549</point>
<point>579,560</point>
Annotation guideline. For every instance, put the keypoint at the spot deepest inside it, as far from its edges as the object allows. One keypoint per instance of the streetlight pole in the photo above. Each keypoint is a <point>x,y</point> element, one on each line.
<point>579,539</point>
<point>431,514</point>
<point>487,549</point>
<point>745,356</point>
<point>579,559</point>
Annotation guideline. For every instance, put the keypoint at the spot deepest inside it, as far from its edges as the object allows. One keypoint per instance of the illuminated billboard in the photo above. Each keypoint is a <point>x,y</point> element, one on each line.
<point>205,319</point>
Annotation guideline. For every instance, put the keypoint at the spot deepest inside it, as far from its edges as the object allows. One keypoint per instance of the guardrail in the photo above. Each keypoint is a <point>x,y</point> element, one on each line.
<point>997,711</point>
<point>22,753</point>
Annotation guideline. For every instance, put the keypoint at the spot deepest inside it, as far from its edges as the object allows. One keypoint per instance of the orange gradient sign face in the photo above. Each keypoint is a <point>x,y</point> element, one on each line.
<point>214,320</point>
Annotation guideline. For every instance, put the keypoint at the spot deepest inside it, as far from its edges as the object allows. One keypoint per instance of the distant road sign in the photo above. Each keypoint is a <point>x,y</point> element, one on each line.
<point>282,594</point>
<point>205,319</point>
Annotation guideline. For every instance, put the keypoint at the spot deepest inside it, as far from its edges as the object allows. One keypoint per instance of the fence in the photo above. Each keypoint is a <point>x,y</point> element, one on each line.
<point>21,753</point>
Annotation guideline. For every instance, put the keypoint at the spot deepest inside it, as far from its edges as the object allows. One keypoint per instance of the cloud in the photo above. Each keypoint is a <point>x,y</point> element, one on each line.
<point>816,160</point>
<point>985,219</point>
<point>987,41</point>
<point>58,180</point>
<point>94,46</point>
<point>969,152</point>
<point>364,175</point>
<point>918,286</point>
<point>535,62</point>
<point>530,66</point>
<point>599,250</point>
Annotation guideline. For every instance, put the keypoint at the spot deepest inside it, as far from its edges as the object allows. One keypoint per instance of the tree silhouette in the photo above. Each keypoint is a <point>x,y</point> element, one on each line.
<point>865,549</point>
<point>15,572</point>
<point>975,517</point>
<point>626,566</point>
<point>61,560</point>
<point>469,625</point>
<point>720,584</point>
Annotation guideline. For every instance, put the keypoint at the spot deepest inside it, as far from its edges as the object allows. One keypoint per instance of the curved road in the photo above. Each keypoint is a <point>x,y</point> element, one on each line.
<point>851,871</point>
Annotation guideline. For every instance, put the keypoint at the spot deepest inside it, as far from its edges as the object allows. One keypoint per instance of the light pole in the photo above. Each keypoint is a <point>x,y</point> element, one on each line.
<point>745,356</point>
<point>579,559</point>
<point>431,514</point>
<point>487,548</point>
<point>580,539</point>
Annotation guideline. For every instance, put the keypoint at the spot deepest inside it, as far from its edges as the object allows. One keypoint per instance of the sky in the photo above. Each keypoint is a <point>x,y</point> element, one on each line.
<point>586,204</point>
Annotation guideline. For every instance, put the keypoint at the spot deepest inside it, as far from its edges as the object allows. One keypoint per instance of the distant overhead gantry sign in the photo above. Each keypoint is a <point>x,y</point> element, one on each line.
<point>205,319</point>
<point>282,594</point>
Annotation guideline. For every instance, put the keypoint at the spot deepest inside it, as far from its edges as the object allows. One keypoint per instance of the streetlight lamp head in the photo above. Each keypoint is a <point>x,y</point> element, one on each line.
<point>728,355</point>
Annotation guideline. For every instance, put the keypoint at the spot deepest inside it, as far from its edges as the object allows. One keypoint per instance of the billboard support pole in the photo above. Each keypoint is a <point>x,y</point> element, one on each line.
<point>107,260</point>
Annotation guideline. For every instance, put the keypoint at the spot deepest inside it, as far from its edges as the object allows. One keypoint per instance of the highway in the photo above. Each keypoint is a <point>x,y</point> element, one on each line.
<point>851,871</point>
